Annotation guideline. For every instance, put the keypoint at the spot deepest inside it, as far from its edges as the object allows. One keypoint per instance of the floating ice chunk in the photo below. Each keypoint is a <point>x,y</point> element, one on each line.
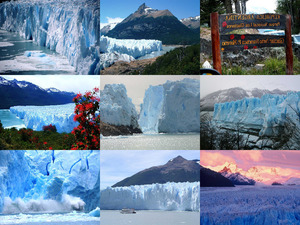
<point>95,212</point>
<point>6,44</point>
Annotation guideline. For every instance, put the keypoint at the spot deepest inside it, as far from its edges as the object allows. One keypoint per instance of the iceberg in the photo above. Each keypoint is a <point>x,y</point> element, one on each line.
<point>173,107</point>
<point>262,116</point>
<point>35,117</point>
<point>113,50</point>
<point>69,27</point>
<point>170,196</point>
<point>116,108</point>
<point>52,181</point>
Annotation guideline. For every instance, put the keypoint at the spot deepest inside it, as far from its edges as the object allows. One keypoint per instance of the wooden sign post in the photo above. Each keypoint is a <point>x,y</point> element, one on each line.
<point>230,42</point>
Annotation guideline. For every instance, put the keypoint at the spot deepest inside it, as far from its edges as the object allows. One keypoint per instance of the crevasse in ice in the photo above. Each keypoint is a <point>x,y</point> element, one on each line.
<point>173,107</point>
<point>116,107</point>
<point>170,196</point>
<point>35,117</point>
<point>52,180</point>
<point>263,115</point>
<point>113,50</point>
<point>69,27</point>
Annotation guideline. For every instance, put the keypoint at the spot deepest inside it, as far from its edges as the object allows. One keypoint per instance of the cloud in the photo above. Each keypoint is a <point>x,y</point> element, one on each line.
<point>111,20</point>
<point>247,156</point>
<point>214,158</point>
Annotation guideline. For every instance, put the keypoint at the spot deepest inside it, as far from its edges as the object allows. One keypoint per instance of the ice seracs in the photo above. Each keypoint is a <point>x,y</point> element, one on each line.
<point>170,196</point>
<point>173,107</point>
<point>116,107</point>
<point>70,28</point>
<point>35,117</point>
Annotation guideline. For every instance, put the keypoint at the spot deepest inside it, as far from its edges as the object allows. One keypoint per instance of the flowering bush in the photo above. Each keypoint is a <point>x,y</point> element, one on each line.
<point>51,128</point>
<point>26,134</point>
<point>87,133</point>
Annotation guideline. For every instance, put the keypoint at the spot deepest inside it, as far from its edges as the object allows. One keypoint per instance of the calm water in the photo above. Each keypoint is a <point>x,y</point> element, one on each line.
<point>50,219</point>
<point>20,56</point>
<point>10,120</point>
<point>149,217</point>
<point>152,142</point>
<point>164,50</point>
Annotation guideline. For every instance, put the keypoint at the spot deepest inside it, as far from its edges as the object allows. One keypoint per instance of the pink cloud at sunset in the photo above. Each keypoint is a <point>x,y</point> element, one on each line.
<point>262,166</point>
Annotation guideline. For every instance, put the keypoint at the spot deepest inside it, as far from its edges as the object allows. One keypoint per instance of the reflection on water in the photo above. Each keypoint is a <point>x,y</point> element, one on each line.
<point>20,56</point>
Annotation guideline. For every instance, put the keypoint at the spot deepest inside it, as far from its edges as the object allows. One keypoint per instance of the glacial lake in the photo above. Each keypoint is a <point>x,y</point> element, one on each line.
<point>150,217</point>
<point>9,119</point>
<point>23,57</point>
<point>151,142</point>
<point>50,219</point>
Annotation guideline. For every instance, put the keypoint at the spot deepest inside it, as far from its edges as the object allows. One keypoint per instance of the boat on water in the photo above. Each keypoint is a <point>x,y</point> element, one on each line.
<point>128,211</point>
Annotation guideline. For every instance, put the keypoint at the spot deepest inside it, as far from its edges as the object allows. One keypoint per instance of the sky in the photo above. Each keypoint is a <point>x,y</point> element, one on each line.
<point>73,83</point>
<point>123,8</point>
<point>261,6</point>
<point>287,162</point>
<point>137,85</point>
<point>120,164</point>
<point>209,84</point>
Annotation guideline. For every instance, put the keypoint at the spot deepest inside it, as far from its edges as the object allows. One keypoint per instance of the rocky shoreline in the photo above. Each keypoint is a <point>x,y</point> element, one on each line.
<point>113,130</point>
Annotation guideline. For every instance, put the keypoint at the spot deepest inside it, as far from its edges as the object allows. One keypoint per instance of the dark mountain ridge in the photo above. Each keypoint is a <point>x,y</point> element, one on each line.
<point>210,178</point>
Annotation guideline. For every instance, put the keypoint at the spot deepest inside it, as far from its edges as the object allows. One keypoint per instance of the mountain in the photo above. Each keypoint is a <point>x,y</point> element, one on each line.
<point>13,93</point>
<point>210,178</point>
<point>104,30</point>
<point>292,181</point>
<point>232,94</point>
<point>192,23</point>
<point>148,23</point>
<point>236,178</point>
<point>175,170</point>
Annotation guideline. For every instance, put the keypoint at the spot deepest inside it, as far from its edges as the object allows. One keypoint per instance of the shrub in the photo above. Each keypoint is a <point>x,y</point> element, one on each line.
<point>50,128</point>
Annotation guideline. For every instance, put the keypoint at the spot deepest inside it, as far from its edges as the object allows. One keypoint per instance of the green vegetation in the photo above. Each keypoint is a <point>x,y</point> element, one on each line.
<point>180,61</point>
<point>272,66</point>
<point>209,6</point>
<point>290,7</point>
<point>29,139</point>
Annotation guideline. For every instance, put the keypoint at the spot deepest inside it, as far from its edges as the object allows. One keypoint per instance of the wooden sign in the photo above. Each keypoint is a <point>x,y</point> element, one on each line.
<point>231,22</point>
<point>250,41</point>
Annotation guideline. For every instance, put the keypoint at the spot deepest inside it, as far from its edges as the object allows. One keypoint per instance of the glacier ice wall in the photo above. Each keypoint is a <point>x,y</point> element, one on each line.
<point>71,28</point>
<point>169,196</point>
<point>40,180</point>
<point>116,107</point>
<point>264,115</point>
<point>255,205</point>
<point>35,117</point>
<point>173,107</point>
<point>113,50</point>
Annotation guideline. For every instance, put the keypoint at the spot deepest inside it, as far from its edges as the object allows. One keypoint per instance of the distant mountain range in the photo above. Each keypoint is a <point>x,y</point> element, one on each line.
<point>175,170</point>
<point>13,93</point>
<point>236,178</point>
<point>233,94</point>
<point>148,23</point>
<point>210,178</point>
<point>192,23</point>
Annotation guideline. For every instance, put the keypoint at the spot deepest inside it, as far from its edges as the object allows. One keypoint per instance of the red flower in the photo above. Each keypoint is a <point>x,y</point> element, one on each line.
<point>232,36</point>
<point>246,47</point>
<point>255,47</point>
<point>50,148</point>
<point>224,24</point>
<point>243,37</point>
<point>45,143</point>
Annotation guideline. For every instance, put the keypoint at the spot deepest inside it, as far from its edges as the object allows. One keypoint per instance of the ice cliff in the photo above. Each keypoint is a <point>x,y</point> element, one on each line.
<point>169,196</point>
<point>52,181</point>
<point>263,116</point>
<point>35,117</point>
<point>69,27</point>
<point>127,50</point>
<point>116,107</point>
<point>173,107</point>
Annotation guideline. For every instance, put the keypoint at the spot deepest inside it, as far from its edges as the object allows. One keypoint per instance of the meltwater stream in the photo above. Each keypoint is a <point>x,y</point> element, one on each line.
<point>21,57</point>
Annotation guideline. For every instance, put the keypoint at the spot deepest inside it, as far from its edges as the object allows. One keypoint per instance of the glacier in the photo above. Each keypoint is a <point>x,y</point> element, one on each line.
<point>71,28</point>
<point>243,205</point>
<point>35,117</point>
<point>113,50</point>
<point>173,107</point>
<point>169,196</point>
<point>49,181</point>
<point>263,116</point>
<point>116,107</point>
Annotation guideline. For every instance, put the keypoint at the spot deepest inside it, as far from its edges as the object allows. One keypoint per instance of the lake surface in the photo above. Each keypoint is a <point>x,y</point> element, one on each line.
<point>50,219</point>
<point>151,142</point>
<point>20,56</point>
<point>164,50</point>
<point>9,120</point>
<point>150,217</point>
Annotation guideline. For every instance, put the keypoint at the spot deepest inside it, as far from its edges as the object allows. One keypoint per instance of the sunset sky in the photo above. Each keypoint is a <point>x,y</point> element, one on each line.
<point>287,163</point>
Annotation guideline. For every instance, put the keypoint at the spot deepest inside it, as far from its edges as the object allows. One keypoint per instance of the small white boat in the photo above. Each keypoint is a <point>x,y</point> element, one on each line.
<point>128,211</point>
